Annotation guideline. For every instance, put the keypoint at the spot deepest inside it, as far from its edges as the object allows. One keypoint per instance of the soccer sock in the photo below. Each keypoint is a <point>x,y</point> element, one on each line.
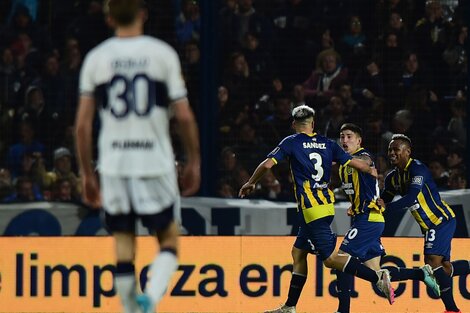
<point>460,267</point>
<point>354,267</point>
<point>296,284</point>
<point>343,285</point>
<point>124,280</point>
<point>161,270</point>
<point>401,273</point>
<point>445,283</point>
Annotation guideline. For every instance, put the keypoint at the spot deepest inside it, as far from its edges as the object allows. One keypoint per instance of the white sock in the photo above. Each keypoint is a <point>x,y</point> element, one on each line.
<point>126,289</point>
<point>161,270</point>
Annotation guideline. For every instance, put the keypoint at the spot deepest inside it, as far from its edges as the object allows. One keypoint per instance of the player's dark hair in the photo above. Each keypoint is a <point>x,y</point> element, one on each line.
<point>403,138</point>
<point>352,127</point>
<point>124,12</point>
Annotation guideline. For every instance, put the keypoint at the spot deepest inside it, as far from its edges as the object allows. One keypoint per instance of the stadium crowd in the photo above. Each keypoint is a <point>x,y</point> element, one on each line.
<point>390,66</point>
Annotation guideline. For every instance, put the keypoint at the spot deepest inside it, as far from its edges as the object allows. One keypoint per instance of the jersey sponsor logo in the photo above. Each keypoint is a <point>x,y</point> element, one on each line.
<point>315,145</point>
<point>417,180</point>
<point>133,144</point>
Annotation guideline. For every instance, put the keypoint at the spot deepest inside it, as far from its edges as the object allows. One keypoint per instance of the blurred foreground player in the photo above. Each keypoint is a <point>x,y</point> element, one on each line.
<point>136,83</point>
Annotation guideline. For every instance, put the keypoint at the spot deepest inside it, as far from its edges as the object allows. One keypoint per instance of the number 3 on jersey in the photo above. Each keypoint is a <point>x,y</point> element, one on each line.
<point>317,164</point>
<point>125,96</point>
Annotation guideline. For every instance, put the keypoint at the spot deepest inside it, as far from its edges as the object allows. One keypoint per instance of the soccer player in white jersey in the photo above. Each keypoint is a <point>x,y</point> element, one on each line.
<point>135,82</point>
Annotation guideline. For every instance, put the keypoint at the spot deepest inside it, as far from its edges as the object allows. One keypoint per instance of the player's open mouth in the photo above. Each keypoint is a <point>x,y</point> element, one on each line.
<point>345,147</point>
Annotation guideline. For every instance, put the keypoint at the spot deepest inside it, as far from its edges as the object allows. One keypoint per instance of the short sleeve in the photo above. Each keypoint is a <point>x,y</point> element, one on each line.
<point>281,152</point>
<point>339,155</point>
<point>86,83</point>
<point>175,83</point>
<point>417,177</point>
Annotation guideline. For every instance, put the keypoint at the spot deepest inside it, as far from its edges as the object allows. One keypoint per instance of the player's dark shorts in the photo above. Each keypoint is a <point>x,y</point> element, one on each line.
<point>437,241</point>
<point>317,237</point>
<point>127,222</point>
<point>363,239</point>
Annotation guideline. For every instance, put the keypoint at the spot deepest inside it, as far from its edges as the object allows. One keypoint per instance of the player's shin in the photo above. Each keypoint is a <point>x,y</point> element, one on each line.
<point>344,283</point>
<point>445,283</point>
<point>161,270</point>
<point>125,283</point>
<point>295,288</point>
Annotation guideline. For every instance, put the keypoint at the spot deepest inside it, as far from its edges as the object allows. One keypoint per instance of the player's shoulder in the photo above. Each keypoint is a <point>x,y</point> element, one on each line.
<point>391,173</point>
<point>418,167</point>
<point>289,139</point>
<point>362,152</point>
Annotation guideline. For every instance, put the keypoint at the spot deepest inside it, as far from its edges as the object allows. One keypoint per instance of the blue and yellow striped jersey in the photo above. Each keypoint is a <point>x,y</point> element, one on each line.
<point>428,209</point>
<point>361,189</point>
<point>310,158</point>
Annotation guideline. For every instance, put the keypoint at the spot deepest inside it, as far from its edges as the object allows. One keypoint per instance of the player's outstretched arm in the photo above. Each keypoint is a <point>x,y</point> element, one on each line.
<point>259,172</point>
<point>189,134</point>
<point>83,141</point>
<point>363,166</point>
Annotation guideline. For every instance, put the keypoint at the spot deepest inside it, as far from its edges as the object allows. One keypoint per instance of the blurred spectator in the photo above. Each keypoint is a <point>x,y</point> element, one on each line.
<point>225,189</point>
<point>6,185</point>
<point>397,26</point>
<point>247,140</point>
<point>456,58</point>
<point>279,124</point>
<point>334,117</point>
<point>457,179</point>
<point>24,192</point>
<point>354,44</point>
<point>70,70</point>
<point>457,124</point>
<point>439,173</point>
<point>191,71</point>
<point>231,169</point>
<point>455,158</point>
<point>352,109</point>
<point>257,57</point>
<point>386,8</point>
<point>63,191</point>
<point>62,170</point>
<point>327,77</point>
<point>298,94</point>
<point>368,83</point>
<point>188,22</point>
<point>250,20</point>
<point>240,82</point>
<point>52,84</point>
<point>27,144</point>
<point>7,69</point>
<point>268,187</point>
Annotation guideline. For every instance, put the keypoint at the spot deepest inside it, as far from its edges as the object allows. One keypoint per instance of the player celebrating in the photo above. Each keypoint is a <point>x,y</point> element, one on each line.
<point>413,181</point>
<point>363,238</point>
<point>136,83</point>
<point>310,156</point>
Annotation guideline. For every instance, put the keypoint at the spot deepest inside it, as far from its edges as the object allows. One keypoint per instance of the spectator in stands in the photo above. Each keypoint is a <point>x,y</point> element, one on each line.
<point>439,173</point>
<point>62,170</point>
<point>298,96</point>
<point>279,124</point>
<point>24,192</point>
<point>7,69</point>
<point>231,168</point>
<point>457,179</point>
<point>455,158</point>
<point>397,26</point>
<point>225,188</point>
<point>247,139</point>
<point>354,44</point>
<point>242,85</point>
<point>257,57</point>
<point>250,20</point>
<point>45,120</point>
<point>6,185</point>
<point>63,191</point>
<point>368,83</point>
<point>191,71</point>
<point>52,84</point>
<point>70,70</point>
<point>456,125</point>
<point>334,117</point>
<point>456,58</point>
<point>268,187</point>
<point>188,22</point>
<point>327,77</point>
<point>352,109</point>
<point>27,143</point>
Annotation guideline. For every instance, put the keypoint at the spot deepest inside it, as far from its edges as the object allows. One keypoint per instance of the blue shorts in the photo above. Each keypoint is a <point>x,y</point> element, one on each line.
<point>317,237</point>
<point>363,239</point>
<point>437,241</point>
